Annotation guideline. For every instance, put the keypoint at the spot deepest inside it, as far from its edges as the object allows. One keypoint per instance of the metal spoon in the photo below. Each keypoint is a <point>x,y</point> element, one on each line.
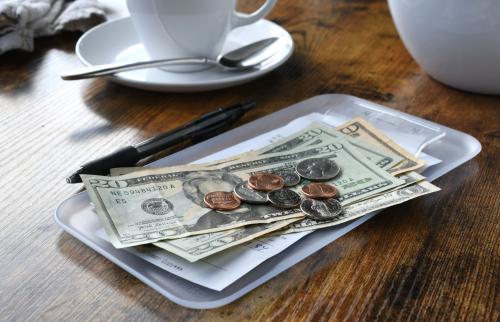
<point>241,58</point>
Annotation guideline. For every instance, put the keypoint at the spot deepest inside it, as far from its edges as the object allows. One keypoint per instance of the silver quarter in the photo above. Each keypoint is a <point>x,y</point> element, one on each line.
<point>284,198</point>
<point>321,209</point>
<point>318,169</point>
<point>246,194</point>
<point>290,177</point>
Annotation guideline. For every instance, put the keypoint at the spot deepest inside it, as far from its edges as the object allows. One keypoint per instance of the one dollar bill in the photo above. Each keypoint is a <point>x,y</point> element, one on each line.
<point>318,133</point>
<point>360,130</point>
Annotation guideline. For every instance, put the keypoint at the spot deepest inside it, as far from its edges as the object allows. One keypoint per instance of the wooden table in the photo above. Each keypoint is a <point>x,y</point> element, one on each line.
<point>433,258</point>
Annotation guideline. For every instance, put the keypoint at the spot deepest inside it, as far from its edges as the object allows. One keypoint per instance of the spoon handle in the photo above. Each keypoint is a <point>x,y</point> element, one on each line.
<point>109,69</point>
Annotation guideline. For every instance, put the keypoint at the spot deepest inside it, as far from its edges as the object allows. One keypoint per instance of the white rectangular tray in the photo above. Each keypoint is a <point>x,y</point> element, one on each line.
<point>451,146</point>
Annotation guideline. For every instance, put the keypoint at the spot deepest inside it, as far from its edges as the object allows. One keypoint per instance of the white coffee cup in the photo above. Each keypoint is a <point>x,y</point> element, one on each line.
<point>457,42</point>
<point>188,28</point>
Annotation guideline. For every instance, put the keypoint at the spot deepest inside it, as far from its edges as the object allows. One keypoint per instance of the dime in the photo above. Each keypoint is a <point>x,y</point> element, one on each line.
<point>321,209</point>
<point>221,200</point>
<point>265,181</point>
<point>319,190</point>
<point>318,169</point>
<point>290,177</point>
<point>284,198</point>
<point>249,195</point>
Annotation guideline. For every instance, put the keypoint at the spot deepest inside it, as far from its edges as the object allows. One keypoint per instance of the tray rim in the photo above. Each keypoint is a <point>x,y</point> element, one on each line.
<point>258,281</point>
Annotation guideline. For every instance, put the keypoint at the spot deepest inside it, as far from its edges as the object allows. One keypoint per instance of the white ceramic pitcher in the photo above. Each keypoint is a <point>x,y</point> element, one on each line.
<point>457,42</point>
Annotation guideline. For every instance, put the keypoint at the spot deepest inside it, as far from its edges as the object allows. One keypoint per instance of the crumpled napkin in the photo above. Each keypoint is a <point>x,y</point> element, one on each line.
<point>21,21</point>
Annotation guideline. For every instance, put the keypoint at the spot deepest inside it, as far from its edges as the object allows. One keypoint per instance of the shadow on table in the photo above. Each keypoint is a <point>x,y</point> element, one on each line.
<point>19,68</point>
<point>122,105</point>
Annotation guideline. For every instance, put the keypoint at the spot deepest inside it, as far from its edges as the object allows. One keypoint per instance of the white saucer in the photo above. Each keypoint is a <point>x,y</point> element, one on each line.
<point>117,40</point>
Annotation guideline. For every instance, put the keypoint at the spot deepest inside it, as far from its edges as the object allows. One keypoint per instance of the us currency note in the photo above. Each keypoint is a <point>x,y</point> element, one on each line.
<point>364,207</point>
<point>360,130</point>
<point>197,247</point>
<point>358,179</point>
<point>318,133</point>
<point>408,178</point>
<point>315,134</point>
<point>126,170</point>
<point>167,203</point>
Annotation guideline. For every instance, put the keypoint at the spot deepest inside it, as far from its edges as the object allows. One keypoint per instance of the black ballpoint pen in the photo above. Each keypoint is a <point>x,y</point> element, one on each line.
<point>202,128</point>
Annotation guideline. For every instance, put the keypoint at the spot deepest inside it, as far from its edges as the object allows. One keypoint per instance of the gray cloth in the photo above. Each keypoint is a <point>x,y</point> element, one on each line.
<point>21,21</point>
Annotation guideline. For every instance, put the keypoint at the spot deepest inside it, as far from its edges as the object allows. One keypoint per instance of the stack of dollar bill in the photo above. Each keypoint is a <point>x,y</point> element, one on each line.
<point>164,206</point>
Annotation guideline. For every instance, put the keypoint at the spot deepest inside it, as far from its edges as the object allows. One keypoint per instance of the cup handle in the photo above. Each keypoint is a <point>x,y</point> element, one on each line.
<point>241,19</point>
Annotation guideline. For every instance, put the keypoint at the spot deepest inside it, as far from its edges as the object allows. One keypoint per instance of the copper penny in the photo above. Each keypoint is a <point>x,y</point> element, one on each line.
<point>221,200</point>
<point>265,181</point>
<point>319,190</point>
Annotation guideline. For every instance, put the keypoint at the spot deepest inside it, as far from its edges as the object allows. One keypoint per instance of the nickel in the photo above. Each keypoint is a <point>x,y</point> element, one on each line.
<point>318,169</point>
<point>265,181</point>
<point>321,209</point>
<point>243,192</point>
<point>221,200</point>
<point>284,198</point>
<point>319,190</point>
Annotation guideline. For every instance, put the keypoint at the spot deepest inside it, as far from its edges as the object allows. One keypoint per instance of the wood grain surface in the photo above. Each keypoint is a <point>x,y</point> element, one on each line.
<point>435,258</point>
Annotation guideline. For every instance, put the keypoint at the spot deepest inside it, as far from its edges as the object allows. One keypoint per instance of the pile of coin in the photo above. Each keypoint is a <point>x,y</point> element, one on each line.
<point>318,203</point>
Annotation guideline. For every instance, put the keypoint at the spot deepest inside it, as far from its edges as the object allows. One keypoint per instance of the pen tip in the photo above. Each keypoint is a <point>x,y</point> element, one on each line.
<point>74,178</point>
